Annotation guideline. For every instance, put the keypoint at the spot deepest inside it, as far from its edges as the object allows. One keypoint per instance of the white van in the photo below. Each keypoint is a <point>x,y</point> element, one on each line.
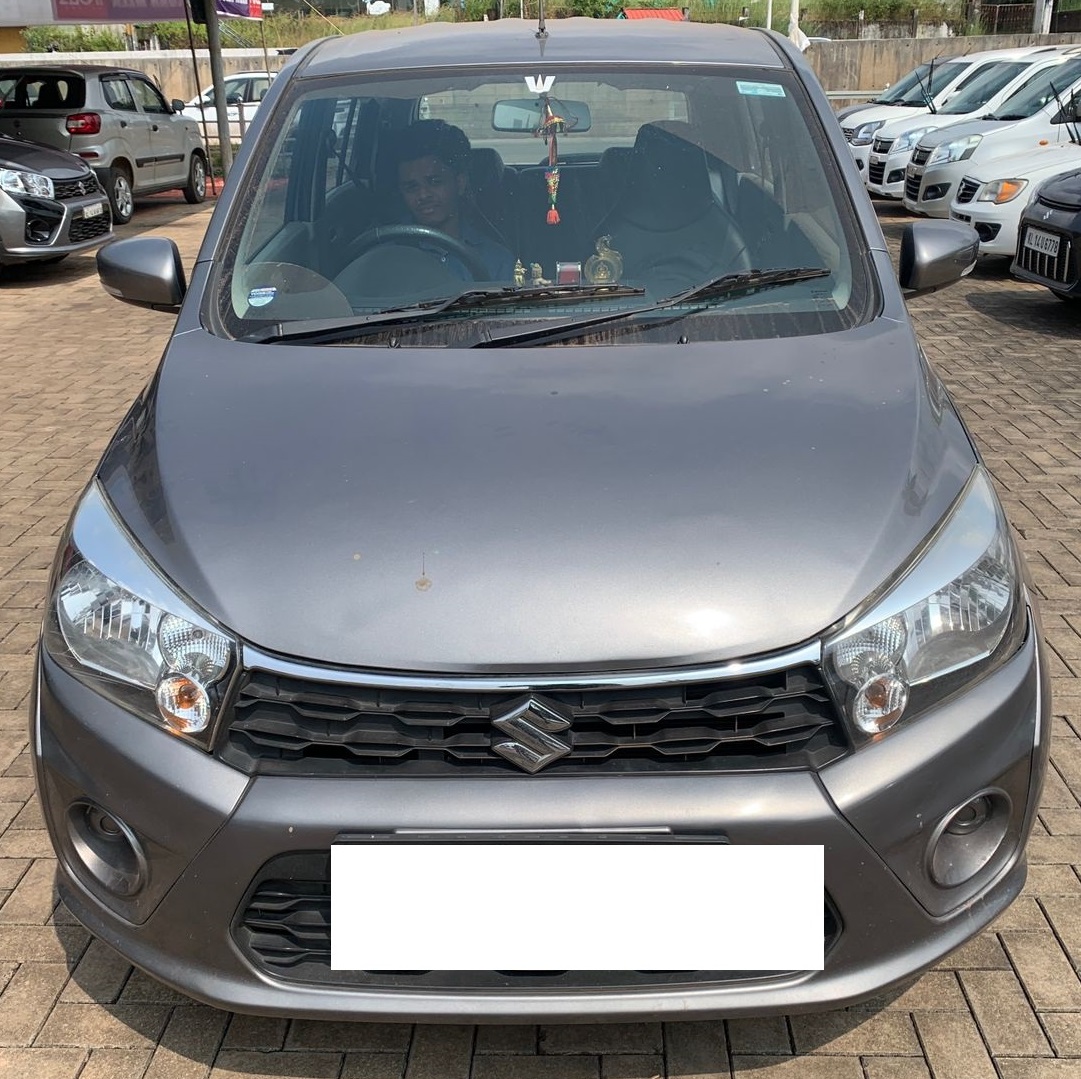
<point>1032,117</point>
<point>895,140</point>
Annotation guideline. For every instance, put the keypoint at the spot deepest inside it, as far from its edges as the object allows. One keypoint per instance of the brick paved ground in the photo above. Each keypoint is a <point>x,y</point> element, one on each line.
<point>1006,1005</point>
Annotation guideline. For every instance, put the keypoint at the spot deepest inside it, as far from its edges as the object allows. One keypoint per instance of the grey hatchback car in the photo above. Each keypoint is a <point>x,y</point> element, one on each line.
<point>116,120</point>
<point>543,544</point>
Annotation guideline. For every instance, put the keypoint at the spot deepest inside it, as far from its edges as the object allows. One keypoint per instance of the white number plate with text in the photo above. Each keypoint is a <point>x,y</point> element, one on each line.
<point>1046,243</point>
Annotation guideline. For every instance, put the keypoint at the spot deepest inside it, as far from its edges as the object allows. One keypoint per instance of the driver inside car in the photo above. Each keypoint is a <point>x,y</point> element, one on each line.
<point>432,164</point>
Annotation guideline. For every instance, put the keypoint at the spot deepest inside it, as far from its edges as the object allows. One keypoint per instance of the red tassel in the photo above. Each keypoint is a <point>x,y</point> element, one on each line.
<point>553,216</point>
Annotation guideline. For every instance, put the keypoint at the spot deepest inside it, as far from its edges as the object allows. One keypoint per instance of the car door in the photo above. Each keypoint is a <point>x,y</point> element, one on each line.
<point>133,129</point>
<point>168,132</point>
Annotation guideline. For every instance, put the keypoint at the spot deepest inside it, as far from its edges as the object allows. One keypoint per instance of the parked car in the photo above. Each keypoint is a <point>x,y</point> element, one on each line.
<point>416,595</point>
<point>1033,117</point>
<point>927,87</point>
<point>116,120</point>
<point>1047,243</point>
<point>243,92</point>
<point>51,204</point>
<point>993,198</point>
<point>894,141</point>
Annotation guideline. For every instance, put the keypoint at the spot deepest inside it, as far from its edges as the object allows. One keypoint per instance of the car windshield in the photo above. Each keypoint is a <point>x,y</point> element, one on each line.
<point>1039,91</point>
<point>932,82</point>
<point>455,208</point>
<point>42,90</point>
<point>983,87</point>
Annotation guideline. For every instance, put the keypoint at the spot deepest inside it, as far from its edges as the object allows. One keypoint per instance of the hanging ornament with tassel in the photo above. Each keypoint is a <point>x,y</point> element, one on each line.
<point>552,124</point>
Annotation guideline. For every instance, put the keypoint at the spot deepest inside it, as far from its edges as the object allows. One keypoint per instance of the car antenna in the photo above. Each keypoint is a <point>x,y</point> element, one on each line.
<point>542,31</point>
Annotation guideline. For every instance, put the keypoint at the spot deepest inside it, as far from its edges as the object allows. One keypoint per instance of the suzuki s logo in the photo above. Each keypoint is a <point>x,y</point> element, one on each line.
<point>540,84</point>
<point>531,727</point>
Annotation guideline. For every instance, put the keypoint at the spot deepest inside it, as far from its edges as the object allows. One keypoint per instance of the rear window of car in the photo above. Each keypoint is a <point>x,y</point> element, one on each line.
<point>37,90</point>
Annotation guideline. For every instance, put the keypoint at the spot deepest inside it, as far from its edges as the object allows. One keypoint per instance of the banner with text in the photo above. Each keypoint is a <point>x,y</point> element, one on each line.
<point>140,11</point>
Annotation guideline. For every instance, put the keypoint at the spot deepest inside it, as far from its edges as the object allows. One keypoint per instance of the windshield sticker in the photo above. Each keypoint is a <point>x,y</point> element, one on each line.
<point>760,89</point>
<point>260,297</point>
<point>539,84</point>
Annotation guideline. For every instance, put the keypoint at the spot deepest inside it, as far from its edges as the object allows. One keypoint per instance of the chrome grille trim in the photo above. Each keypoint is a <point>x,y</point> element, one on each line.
<point>968,189</point>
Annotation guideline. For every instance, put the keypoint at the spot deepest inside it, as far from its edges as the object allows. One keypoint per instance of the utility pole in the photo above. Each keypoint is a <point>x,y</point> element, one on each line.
<point>1041,16</point>
<point>217,76</point>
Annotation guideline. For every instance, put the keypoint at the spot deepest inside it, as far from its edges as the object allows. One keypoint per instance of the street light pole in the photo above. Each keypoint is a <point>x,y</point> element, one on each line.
<point>217,76</point>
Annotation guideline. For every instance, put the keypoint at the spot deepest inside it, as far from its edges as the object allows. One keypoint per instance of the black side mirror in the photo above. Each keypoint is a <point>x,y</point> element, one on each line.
<point>935,254</point>
<point>178,105</point>
<point>143,270</point>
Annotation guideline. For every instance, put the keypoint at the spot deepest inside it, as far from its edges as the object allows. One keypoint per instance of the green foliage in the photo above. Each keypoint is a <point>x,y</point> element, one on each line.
<point>72,39</point>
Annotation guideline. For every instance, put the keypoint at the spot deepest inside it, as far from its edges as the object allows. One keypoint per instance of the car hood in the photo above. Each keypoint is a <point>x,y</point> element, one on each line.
<point>895,128</point>
<point>884,112</point>
<point>1063,192</point>
<point>32,156</point>
<point>959,131</point>
<point>1034,164</point>
<point>560,509</point>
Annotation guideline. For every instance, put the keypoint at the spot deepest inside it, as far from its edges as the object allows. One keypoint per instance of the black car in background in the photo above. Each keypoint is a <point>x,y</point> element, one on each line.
<point>51,204</point>
<point>1047,240</point>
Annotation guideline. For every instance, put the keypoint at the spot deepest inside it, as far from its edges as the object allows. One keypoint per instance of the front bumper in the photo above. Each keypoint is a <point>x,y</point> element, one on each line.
<point>207,831</point>
<point>38,228</point>
<point>1062,272</point>
<point>996,225</point>
<point>929,190</point>
<point>886,174</point>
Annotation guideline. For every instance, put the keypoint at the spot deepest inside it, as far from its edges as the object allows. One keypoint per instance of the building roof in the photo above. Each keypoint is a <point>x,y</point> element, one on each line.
<point>673,14</point>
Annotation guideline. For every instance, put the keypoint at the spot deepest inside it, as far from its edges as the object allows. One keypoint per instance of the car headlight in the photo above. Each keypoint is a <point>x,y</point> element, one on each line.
<point>26,183</point>
<point>865,133</point>
<point>1000,191</point>
<point>958,150</point>
<point>115,624</point>
<point>953,616</point>
<point>909,139</point>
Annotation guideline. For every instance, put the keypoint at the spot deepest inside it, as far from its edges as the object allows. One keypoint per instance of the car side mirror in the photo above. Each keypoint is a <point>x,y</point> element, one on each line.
<point>143,270</point>
<point>178,105</point>
<point>935,254</point>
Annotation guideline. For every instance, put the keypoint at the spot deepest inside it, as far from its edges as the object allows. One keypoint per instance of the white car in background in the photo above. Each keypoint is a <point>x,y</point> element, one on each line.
<point>243,92</point>
<point>1033,117</point>
<point>928,86</point>
<point>895,140</point>
<point>993,197</point>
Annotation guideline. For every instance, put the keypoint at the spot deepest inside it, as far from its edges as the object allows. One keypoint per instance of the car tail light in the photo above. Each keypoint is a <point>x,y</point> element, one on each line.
<point>84,123</point>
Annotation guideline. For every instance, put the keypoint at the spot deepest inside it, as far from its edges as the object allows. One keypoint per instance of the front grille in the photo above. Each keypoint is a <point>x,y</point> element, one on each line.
<point>1058,268</point>
<point>912,187</point>
<point>849,133</point>
<point>967,190</point>
<point>74,189</point>
<point>875,171</point>
<point>882,146</point>
<point>920,155</point>
<point>288,726</point>
<point>87,228</point>
<point>283,927</point>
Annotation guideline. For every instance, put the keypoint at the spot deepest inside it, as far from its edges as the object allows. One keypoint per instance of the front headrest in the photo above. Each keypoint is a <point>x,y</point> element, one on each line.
<point>668,184</point>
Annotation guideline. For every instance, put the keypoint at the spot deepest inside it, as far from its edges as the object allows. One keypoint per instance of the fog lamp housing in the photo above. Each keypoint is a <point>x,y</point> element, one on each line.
<point>106,849</point>
<point>968,837</point>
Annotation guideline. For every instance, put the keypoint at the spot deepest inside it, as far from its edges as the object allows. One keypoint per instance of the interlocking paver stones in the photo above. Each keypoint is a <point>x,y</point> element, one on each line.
<point>1008,353</point>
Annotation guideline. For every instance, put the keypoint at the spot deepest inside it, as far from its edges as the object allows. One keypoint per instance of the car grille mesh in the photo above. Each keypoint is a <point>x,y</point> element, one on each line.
<point>882,146</point>
<point>967,190</point>
<point>86,228</point>
<point>284,927</point>
<point>875,171</point>
<point>74,189</point>
<point>849,133</point>
<point>287,726</point>
<point>920,155</point>
<point>912,187</point>
<point>1057,268</point>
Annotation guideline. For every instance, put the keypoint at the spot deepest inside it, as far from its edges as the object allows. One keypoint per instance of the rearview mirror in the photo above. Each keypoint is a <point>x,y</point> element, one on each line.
<point>143,270</point>
<point>526,114</point>
<point>178,105</point>
<point>935,254</point>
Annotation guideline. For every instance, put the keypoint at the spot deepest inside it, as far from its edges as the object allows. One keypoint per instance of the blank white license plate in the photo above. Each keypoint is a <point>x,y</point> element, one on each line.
<point>1044,242</point>
<point>96,210</point>
<point>575,906</point>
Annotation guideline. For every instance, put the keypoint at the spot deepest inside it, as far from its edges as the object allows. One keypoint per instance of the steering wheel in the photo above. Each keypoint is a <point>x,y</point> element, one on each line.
<point>417,236</point>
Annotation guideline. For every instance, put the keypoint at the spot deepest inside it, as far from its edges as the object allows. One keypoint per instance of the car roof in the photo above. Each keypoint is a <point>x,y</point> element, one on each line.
<point>70,69</point>
<point>514,41</point>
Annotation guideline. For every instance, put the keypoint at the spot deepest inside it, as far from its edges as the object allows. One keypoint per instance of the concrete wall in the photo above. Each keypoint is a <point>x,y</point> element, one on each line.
<point>857,66</point>
<point>875,64</point>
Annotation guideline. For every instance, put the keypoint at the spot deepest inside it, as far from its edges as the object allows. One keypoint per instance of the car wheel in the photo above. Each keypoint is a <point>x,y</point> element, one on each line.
<point>195,189</point>
<point>121,200</point>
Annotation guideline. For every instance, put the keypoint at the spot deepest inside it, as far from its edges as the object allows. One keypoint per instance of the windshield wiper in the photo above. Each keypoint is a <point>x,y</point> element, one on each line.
<point>726,287</point>
<point>326,330</point>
